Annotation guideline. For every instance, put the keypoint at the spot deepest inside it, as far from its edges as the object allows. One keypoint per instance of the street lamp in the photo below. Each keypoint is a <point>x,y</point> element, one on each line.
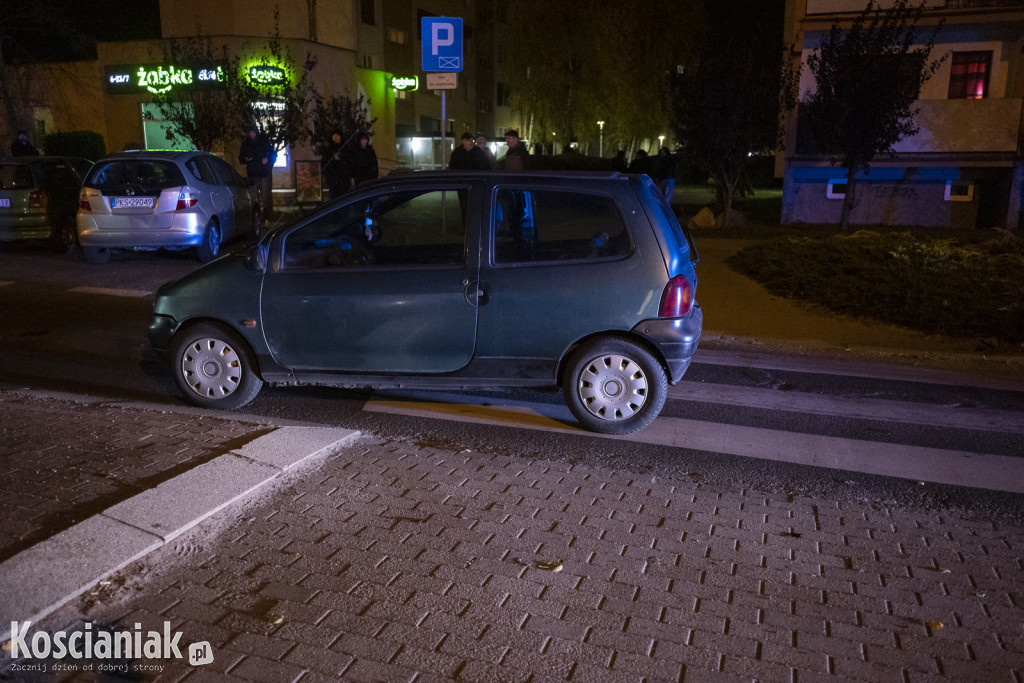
<point>600,148</point>
<point>661,141</point>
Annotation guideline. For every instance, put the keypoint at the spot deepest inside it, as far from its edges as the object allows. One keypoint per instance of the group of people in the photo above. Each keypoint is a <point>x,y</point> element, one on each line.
<point>661,169</point>
<point>345,164</point>
<point>474,154</point>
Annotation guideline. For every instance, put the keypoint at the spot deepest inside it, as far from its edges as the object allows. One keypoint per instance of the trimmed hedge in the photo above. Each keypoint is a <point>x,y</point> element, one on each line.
<point>932,285</point>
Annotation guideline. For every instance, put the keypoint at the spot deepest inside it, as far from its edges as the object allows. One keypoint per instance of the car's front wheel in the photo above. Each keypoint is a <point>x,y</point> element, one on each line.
<point>214,367</point>
<point>210,247</point>
<point>614,386</point>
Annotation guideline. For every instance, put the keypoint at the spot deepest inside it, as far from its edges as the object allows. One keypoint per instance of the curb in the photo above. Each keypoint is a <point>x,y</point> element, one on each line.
<point>41,579</point>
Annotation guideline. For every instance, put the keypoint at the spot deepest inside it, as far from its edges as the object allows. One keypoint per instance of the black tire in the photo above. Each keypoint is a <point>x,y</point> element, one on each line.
<point>214,367</point>
<point>614,386</point>
<point>95,255</point>
<point>64,236</point>
<point>210,248</point>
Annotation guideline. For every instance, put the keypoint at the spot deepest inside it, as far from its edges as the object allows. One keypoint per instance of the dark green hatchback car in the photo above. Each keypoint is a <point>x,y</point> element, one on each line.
<point>451,280</point>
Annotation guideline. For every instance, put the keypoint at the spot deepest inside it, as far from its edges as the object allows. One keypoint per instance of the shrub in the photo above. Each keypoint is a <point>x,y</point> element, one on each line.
<point>932,285</point>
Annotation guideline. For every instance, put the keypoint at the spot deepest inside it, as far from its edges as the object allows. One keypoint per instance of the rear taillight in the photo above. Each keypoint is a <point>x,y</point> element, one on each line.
<point>83,201</point>
<point>186,200</point>
<point>37,200</point>
<point>677,298</point>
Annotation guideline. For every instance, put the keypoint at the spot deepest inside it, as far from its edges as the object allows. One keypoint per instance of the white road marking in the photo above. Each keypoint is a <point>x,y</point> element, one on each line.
<point>134,293</point>
<point>961,468</point>
<point>4,283</point>
<point>852,368</point>
<point>928,414</point>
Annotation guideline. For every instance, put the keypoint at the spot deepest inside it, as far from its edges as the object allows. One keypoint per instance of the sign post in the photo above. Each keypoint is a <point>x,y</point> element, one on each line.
<point>442,52</point>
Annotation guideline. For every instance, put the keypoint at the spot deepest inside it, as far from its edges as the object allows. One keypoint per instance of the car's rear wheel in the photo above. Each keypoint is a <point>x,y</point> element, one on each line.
<point>214,367</point>
<point>614,386</point>
<point>210,247</point>
<point>95,255</point>
<point>64,235</point>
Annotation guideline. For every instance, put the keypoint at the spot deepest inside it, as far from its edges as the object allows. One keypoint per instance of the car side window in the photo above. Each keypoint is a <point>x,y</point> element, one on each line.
<point>198,167</point>
<point>410,228</point>
<point>537,226</point>
<point>224,171</point>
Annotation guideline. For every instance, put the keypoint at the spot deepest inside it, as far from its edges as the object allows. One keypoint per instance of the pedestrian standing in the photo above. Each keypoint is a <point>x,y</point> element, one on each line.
<point>481,144</point>
<point>517,157</point>
<point>363,162</point>
<point>258,156</point>
<point>468,157</point>
<point>665,173</point>
<point>22,147</point>
<point>334,167</point>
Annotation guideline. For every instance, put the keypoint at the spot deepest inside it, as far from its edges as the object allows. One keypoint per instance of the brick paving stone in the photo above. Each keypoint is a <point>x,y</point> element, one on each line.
<point>400,562</point>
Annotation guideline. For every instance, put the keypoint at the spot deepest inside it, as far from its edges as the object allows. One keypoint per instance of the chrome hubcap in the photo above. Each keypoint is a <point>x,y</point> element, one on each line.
<point>612,387</point>
<point>211,368</point>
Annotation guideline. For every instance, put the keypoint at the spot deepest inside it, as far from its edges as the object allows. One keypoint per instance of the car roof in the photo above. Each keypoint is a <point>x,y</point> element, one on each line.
<point>170,154</point>
<point>408,175</point>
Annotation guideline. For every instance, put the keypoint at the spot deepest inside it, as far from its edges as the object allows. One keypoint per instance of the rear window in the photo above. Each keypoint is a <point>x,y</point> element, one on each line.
<point>538,226</point>
<point>15,177</point>
<point>150,175</point>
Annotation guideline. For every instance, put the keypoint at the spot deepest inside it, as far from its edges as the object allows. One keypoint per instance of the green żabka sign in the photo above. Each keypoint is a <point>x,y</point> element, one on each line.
<point>160,79</point>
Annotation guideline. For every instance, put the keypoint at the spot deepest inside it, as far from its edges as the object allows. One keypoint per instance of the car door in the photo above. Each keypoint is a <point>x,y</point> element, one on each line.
<point>239,196</point>
<point>218,200</point>
<point>384,283</point>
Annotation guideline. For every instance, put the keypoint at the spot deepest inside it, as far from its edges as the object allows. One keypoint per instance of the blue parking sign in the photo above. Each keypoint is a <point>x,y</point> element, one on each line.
<point>442,43</point>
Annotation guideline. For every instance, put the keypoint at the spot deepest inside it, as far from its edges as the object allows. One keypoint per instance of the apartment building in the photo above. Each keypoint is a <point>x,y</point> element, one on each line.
<point>963,168</point>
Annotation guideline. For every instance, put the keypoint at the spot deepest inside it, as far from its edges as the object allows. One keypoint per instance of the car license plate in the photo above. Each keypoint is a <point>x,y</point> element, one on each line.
<point>5,203</point>
<point>125,202</point>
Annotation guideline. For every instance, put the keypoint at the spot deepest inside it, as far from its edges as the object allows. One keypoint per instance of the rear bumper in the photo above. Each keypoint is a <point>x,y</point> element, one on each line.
<point>186,230</point>
<point>675,338</point>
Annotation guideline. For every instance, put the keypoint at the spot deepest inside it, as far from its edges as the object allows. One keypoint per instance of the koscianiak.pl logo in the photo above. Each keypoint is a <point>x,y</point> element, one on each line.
<point>92,644</point>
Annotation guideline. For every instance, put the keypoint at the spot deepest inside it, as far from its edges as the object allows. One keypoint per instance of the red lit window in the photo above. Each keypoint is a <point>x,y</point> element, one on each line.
<point>969,77</point>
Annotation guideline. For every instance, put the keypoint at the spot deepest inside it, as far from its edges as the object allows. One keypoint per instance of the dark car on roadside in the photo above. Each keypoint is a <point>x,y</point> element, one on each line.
<point>164,200</point>
<point>39,198</point>
<point>451,280</point>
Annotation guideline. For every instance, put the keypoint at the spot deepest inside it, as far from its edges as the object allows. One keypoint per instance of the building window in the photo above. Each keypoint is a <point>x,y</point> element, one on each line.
<point>368,12</point>
<point>959,191</point>
<point>969,76</point>
<point>396,36</point>
<point>367,61</point>
<point>836,188</point>
<point>503,95</point>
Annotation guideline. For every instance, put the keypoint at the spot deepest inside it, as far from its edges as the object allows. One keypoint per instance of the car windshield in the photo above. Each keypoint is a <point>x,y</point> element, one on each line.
<point>147,175</point>
<point>15,177</point>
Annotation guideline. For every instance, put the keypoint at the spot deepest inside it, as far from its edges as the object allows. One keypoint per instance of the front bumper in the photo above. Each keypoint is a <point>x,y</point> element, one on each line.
<point>161,328</point>
<point>675,338</point>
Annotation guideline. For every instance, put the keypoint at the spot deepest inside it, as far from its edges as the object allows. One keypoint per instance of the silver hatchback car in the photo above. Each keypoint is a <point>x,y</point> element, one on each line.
<point>168,200</point>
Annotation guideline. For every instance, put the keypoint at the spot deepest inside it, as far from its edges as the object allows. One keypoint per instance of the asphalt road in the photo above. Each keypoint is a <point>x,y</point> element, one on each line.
<point>770,417</point>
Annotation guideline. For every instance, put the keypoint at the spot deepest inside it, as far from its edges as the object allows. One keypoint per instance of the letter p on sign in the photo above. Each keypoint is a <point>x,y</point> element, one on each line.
<point>437,41</point>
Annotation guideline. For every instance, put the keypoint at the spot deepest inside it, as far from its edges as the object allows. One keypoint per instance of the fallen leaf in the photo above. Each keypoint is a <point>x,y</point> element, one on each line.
<point>553,566</point>
<point>935,624</point>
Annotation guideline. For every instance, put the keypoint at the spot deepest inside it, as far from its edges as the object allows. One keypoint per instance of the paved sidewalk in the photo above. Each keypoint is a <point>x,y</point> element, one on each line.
<point>395,562</point>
